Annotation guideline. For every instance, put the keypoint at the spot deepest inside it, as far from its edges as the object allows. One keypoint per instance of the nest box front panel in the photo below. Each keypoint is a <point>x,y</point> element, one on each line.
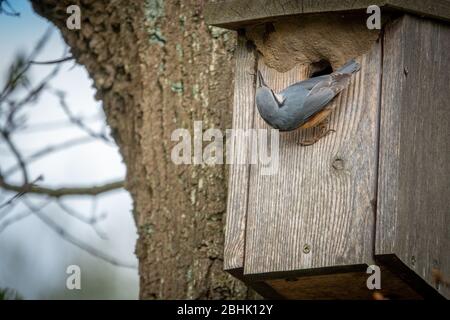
<point>317,211</point>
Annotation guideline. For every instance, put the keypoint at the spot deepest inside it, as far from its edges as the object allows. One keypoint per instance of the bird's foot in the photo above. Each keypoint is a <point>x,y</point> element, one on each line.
<point>323,132</point>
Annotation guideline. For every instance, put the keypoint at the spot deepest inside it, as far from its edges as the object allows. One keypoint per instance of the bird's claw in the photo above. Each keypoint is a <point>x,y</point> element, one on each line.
<point>306,143</point>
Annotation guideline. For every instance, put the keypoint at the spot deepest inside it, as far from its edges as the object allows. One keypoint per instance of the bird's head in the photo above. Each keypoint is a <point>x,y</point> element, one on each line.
<point>263,87</point>
<point>261,81</point>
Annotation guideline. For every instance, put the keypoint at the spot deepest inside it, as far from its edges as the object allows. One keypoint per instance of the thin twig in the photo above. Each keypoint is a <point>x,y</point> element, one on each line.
<point>34,93</point>
<point>92,221</point>
<point>49,150</point>
<point>25,189</point>
<point>10,207</point>
<point>75,120</point>
<point>13,121</point>
<point>38,47</point>
<point>52,61</point>
<point>57,125</point>
<point>64,191</point>
<point>17,155</point>
<point>77,242</point>
<point>12,11</point>
<point>19,217</point>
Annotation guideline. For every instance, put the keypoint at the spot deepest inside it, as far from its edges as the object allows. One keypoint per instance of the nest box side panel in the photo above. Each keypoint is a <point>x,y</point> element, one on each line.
<point>413,217</point>
<point>244,100</point>
<point>318,210</point>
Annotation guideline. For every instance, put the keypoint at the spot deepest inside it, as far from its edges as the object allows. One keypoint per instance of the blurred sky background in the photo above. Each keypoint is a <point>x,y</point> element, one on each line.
<point>33,258</point>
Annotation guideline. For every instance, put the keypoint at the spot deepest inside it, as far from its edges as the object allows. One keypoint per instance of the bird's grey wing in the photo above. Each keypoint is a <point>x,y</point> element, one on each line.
<point>323,92</point>
<point>306,84</point>
<point>336,82</point>
<point>294,97</point>
<point>350,67</point>
<point>317,101</point>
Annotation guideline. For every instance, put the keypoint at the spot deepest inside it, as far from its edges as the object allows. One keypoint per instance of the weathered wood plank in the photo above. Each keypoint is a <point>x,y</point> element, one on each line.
<point>244,96</point>
<point>322,195</point>
<point>413,218</point>
<point>235,14</point>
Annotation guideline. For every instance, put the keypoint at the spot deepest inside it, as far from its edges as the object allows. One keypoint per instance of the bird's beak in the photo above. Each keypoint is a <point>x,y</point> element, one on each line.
<point>261,80</point>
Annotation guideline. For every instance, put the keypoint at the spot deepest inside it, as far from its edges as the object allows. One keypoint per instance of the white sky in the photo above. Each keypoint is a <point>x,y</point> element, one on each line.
<point>33,259</point>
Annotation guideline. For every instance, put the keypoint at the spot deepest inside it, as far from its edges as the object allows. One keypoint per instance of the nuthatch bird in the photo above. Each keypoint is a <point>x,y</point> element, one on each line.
<point>303,104</point>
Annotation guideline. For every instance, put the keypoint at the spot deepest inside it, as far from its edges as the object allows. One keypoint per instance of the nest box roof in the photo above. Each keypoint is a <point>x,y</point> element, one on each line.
<point>235,14</point>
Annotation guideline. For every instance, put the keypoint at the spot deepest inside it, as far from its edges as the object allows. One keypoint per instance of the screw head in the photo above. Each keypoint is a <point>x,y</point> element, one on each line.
<point>306,248</point>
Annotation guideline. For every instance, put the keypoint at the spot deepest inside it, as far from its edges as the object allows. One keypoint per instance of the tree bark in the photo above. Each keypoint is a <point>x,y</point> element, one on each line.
<point>157,67</point>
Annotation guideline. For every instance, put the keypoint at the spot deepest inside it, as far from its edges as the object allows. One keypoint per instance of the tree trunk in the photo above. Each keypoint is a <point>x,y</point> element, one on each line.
<point>157,67</point>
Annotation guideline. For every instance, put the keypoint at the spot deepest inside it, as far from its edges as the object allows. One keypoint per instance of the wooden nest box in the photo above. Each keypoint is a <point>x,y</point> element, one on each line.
<point>375,192</point>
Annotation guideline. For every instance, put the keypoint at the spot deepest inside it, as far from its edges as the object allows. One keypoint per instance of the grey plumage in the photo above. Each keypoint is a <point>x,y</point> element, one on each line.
<point>293,106</point>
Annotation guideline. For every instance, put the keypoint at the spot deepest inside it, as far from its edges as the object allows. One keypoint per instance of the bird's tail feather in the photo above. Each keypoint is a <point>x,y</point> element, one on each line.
<point>340,81</point>
<point>350,67</point>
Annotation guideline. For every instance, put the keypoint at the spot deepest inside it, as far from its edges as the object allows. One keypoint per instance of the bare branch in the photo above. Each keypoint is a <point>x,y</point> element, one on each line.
<point>56,125</point>
<point>17,154</point>
<point>4,212</point>
<point>13,121</point>
<point>21,193</point>
<point>92,221</point>
<point>20,73</point>
<point>75,120</point>
<point>52,61</point>
<point>75,214</point>
<point>77,242</point>
<point>34,93</point>
<point>49,150</point>
<point>10,11</point>
<point>64,191</point>
<point>11,200</point>
<point>19,217</point>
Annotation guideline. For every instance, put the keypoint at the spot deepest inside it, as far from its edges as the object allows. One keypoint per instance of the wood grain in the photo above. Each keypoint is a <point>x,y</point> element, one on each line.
<point>413,218</point>
<point>322,194</point>
<point>236,14</point>
<point>244,100</point>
